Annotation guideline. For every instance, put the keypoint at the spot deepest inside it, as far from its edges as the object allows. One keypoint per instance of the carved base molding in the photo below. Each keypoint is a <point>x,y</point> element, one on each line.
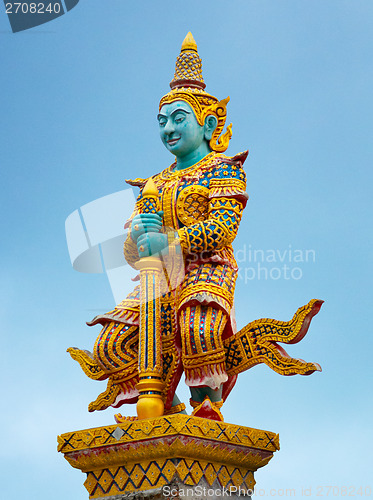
<point>171,456</point>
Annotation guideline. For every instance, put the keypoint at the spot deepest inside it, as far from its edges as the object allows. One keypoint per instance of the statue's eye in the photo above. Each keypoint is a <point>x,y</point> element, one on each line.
<point>162,123</point>
<point>179,118</point>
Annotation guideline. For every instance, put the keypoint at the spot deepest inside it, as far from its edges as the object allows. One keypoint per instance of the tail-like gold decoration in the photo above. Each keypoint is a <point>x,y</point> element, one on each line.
<point>106,398</point>
<point>257,343</point>
<point>87,363</point>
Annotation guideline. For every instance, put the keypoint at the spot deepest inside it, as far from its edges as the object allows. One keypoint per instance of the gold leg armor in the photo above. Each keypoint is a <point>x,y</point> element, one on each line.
<point>203,351</point>
<point>116,357</point>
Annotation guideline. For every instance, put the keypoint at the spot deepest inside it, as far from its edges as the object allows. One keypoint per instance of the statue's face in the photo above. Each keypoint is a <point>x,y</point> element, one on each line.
<point>180,132</point>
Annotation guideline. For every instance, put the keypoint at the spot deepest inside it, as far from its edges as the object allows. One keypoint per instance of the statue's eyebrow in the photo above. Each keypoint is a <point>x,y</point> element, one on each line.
<point>173,113</point>
<point>180,109</point>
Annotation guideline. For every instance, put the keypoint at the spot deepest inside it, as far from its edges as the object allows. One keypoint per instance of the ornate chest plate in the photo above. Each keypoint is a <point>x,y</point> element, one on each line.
<point>192,204</point>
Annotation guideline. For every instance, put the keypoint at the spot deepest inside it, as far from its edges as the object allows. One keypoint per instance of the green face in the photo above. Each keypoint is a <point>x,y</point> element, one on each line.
<point>180,131</point>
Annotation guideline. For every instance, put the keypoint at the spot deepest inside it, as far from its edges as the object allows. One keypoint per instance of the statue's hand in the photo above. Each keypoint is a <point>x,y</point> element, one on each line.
<point>151,243</point>
<point>145,223</point>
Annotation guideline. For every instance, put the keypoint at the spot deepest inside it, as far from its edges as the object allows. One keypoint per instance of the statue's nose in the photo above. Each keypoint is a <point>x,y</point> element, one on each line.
<point>169,127</point>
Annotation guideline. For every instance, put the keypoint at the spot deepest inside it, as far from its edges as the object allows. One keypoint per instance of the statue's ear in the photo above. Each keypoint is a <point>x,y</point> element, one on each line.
<point>211,122</point>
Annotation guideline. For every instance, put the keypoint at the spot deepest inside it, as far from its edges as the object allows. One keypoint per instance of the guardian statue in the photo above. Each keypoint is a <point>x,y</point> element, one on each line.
<point>180,318</point>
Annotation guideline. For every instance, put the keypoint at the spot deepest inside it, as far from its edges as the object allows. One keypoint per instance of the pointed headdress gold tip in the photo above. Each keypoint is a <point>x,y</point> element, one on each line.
<point>188,69</point>
<point>189,43</point>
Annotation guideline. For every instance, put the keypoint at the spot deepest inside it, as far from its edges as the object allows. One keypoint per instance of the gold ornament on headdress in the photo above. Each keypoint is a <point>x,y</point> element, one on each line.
<point>188,85</point>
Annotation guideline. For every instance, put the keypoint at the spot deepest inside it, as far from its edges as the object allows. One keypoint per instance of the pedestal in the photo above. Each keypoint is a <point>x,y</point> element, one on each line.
<point>170,456</point>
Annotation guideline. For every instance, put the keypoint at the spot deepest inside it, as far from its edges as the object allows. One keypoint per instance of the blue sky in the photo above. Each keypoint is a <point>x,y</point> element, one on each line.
<point>79,98</point>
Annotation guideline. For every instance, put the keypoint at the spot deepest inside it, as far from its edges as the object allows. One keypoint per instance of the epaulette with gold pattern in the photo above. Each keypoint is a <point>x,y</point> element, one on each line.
<point>138,182</point>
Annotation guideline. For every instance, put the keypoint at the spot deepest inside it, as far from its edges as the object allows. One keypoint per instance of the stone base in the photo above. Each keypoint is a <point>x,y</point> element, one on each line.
<point>169,456</point>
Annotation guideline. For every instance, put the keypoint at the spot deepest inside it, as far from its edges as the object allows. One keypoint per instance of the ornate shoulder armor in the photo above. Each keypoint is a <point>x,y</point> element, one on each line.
<point>230,178</point>
<point>138,182</point>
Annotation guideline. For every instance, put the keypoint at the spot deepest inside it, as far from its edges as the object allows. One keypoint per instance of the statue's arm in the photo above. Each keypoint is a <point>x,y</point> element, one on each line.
<point>217,231</point>
<point>227,200</point>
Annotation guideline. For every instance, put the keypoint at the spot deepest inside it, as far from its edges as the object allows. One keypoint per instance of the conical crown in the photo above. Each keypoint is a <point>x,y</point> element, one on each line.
<point>188,85</point>
<point>188,70</point>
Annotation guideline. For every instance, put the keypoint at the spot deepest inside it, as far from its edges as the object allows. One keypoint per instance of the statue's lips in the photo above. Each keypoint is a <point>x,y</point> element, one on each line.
<point>171,142</point>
